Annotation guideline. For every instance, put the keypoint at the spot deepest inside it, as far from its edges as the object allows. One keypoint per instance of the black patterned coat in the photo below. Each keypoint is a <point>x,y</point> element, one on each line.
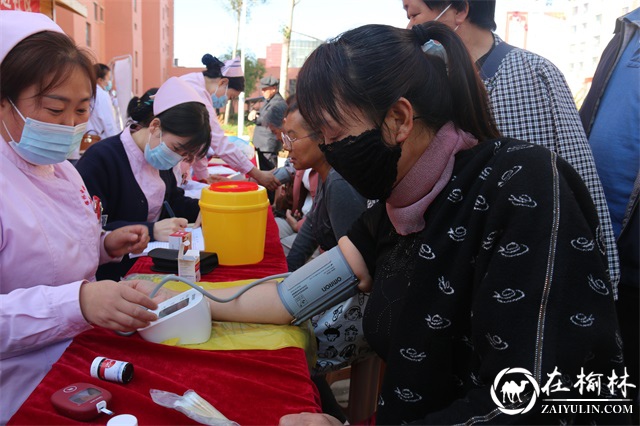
<point>509,272</point>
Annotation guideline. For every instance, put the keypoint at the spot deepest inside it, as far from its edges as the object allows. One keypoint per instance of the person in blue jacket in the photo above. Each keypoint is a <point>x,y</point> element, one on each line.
<point>610,115</point>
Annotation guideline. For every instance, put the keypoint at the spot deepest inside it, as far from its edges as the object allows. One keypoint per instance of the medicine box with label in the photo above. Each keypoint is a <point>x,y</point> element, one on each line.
<point>189,265</point>
<point>180,240</point>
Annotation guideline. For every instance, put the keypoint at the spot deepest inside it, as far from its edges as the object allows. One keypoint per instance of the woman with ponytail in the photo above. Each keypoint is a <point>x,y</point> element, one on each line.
<point>483,257</point>
<point>485,252</point>
<point>216,85</point>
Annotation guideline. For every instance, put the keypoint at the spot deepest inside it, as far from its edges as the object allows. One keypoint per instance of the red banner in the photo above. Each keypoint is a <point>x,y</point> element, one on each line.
<point>26,5</point>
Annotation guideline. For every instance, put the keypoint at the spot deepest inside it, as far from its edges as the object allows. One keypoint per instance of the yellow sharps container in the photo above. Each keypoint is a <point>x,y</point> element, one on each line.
<point>234,221</point>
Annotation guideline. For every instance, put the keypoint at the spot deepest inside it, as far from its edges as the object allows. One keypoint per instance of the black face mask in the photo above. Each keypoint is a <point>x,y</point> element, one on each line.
<point>366,162</point>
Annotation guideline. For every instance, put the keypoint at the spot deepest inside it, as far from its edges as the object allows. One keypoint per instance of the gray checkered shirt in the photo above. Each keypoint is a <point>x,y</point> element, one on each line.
<point>531,101</point>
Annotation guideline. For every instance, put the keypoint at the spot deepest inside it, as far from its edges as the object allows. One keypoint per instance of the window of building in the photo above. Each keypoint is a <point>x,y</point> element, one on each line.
<point>88,34</point>
<point>599,19</point>
<point>135,5</point>
<point>102,14</point>
<point>137,91</point>
<point>586,8</point>
<point>136,60</point>
<point>574,11</point>
<point>135,26</point>
<point>95,11</point>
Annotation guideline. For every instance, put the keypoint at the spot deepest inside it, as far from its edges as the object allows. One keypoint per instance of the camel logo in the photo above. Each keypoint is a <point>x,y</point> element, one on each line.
<point>513,391</point>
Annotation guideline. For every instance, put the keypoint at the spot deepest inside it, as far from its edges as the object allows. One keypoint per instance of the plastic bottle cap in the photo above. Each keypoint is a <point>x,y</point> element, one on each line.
<point>123,420</point>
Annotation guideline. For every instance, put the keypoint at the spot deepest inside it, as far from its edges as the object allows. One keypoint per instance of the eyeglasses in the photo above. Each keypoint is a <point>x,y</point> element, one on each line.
<point>288,141</point>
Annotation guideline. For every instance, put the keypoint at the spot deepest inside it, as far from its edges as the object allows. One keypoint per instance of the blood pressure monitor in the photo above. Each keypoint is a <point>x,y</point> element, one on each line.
<point>186,316</point>
<point>311,289</point>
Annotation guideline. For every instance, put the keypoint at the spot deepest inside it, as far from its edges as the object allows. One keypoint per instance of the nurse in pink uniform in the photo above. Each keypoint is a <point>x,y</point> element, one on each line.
<point>50,239</point>
<point>132,172</point>
<point>213,86</point>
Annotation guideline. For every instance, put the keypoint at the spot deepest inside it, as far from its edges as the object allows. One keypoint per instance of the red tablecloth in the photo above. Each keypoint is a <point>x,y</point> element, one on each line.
<point>251,387</point>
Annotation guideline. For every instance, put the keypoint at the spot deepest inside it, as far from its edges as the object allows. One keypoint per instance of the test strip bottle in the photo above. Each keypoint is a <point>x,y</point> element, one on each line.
<point>111,370</point>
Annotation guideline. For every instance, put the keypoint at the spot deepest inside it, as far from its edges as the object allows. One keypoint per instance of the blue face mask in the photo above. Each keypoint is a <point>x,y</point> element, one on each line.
<point>161,157</point>
<point>219,102</point>
<point>109,86</point>
<point>46,143</point>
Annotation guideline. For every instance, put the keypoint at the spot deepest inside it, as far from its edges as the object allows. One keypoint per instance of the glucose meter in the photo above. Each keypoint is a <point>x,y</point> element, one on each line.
<point>81,401</point>
<point>186,317</point>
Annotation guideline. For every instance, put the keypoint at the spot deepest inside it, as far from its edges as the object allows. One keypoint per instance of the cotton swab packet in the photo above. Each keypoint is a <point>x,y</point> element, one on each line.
<point>193,406</point>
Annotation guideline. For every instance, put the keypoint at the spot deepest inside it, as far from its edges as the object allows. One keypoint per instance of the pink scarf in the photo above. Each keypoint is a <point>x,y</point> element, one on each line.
<point>429,175</point>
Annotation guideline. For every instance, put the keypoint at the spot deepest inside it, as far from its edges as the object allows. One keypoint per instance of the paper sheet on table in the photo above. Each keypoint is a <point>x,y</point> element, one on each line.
<point>237,335</point>
<point>197,242</point>
<point>220,170</point>
<point>193,189</point>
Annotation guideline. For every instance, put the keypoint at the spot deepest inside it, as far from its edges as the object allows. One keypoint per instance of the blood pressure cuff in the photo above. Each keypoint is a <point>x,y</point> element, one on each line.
<point>320,284</point>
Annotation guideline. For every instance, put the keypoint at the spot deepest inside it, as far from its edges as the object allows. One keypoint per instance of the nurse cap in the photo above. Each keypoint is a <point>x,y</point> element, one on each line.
<point>232,68</point>
<point>173,92</point>
<point>17,25</point>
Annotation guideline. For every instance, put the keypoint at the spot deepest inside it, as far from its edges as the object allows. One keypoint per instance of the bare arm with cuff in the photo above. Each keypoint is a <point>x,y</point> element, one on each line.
<point>275,303</point>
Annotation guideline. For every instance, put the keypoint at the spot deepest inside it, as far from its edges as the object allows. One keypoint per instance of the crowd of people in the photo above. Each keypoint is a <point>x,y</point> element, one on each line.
<point>490,224</point>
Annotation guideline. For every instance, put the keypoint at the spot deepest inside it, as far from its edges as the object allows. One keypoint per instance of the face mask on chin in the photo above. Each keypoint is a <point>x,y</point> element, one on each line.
<point>366,162</point>
<point>44,143</point>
